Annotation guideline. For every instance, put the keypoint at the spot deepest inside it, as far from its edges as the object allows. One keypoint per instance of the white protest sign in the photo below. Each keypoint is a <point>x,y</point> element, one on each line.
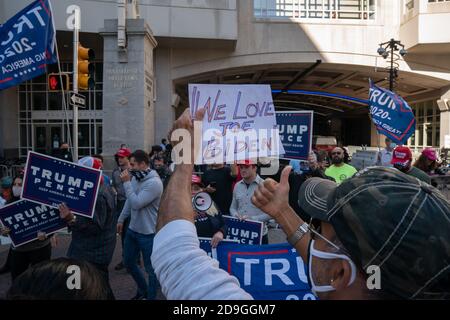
<point>239,122</point>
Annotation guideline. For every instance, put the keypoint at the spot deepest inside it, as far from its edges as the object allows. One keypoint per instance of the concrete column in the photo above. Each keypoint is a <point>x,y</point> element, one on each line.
<point>128,84</point>
<point>9,119</point>
<point>166,99</point>
<point>376,139</point>
<point>444,107</point>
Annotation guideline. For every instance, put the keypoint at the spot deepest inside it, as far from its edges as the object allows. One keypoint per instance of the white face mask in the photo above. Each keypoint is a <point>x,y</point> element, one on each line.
<point>16,191</point>
<point>327,255</point>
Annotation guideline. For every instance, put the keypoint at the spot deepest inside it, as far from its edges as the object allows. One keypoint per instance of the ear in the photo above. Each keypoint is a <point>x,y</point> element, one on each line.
<point>341,274</point>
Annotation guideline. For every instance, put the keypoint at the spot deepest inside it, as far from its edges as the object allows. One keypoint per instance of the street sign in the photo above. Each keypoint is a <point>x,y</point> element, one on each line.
<point>78,100</point>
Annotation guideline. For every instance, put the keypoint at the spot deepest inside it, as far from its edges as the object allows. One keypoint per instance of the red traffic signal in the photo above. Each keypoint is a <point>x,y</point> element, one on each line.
<point>58,82</point>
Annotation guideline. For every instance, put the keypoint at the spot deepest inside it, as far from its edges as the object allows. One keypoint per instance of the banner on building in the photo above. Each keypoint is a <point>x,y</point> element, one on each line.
<point>269,272</point>
<point>239,122</point>
<point>25,219</point>
<point>296,132</point>
<point>27,44</point>
<point>52,181</point>
<point>391,114</point>
<point>244,231</point>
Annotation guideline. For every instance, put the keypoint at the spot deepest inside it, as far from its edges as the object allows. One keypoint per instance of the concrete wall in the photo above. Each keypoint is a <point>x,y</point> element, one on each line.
<point>165,96</point>
<point>271,41</point>
<point>426,23</point>
<point>204,19</point>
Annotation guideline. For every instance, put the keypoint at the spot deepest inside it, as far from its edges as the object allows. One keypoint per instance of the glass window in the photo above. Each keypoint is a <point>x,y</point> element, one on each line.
<point>39,100</point>
<point>83,135</point>
<point>55,101</point>
<point>23,100</point>
<point>23,135</point>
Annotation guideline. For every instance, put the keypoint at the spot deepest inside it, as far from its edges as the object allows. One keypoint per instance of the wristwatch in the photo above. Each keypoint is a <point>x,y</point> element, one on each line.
<point>298,234</point>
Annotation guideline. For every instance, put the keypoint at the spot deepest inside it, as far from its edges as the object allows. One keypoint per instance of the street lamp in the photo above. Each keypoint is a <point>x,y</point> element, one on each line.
<point>387,49</point>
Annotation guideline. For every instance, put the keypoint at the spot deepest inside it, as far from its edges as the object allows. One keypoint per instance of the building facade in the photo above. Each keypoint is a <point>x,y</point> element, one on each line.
<point>319,53</point>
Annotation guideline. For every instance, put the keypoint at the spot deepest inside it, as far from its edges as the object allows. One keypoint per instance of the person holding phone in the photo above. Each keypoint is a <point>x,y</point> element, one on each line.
<point>218,180</point>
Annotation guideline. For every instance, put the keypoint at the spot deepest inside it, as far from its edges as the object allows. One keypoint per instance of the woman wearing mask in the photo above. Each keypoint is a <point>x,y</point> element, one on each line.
<point>22,257</point>
<point>6,188</point>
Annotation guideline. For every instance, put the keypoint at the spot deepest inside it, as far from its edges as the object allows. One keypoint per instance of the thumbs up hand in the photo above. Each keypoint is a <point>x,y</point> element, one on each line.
<point>273,197</point>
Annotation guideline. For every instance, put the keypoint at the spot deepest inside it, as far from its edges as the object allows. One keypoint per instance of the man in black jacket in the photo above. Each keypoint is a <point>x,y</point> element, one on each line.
<point>94,240</point>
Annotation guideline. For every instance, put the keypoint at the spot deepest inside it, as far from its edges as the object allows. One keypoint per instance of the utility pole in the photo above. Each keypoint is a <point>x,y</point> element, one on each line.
<point>73,23</point>
<point>393,46</point>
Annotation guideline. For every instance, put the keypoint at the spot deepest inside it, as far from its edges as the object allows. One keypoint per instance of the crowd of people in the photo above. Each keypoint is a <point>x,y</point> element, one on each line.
<point>339,220</point>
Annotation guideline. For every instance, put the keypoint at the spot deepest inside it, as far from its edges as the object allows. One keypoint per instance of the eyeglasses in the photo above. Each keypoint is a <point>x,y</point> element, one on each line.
<point>338,153</point>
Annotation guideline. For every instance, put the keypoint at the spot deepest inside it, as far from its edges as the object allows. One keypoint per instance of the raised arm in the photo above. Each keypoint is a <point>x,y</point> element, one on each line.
<point>184,270</point>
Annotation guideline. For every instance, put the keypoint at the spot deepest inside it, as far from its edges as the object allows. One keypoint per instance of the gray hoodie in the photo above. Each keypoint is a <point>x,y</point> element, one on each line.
<point>142,203</point>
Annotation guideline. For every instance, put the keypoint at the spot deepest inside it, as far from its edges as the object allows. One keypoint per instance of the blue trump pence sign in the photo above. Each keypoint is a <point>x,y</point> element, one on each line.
<point>52,181</point>
<point>296,130</point>
<point>27,44</point>
<point>267,272</point>
<point>25,219</point>
<point>245,232</point>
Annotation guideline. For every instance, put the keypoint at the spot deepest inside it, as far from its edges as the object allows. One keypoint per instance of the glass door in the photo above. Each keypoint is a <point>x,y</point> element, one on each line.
<point>47,138</point>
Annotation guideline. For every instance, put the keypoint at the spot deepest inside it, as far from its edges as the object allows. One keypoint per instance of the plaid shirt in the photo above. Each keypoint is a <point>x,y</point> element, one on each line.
<point>94,240</point>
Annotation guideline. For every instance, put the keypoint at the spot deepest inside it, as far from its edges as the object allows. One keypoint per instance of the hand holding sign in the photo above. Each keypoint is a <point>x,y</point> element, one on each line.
<point>273,197</point>
<point>218,236</point>
<point>65,213</point>
<point>242,217</point>
<point>41,236</point>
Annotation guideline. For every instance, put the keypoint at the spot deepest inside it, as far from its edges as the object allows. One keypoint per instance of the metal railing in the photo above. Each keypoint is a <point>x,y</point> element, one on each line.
<point>11,170</point>
<point>316,9</point>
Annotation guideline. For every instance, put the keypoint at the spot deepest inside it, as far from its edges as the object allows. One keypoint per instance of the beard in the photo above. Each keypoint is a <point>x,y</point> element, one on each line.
<point>337,160</point>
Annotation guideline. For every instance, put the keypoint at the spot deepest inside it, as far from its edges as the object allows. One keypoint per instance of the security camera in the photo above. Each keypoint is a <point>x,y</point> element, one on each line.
<point>381,51</point>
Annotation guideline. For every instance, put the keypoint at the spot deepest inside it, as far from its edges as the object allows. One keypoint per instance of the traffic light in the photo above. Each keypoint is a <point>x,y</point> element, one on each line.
<point>86,68</point>
<point>55,84</point>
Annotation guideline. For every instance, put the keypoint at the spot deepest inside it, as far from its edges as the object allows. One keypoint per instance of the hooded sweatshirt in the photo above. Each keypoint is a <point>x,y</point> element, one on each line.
<point>142,203</point>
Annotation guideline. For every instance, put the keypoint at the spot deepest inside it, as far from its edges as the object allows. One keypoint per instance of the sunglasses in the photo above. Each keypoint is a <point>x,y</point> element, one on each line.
<point>338,153</point>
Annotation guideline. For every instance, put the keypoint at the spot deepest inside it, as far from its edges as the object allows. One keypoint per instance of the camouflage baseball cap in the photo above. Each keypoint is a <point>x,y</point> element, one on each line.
<point>386,218</point>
